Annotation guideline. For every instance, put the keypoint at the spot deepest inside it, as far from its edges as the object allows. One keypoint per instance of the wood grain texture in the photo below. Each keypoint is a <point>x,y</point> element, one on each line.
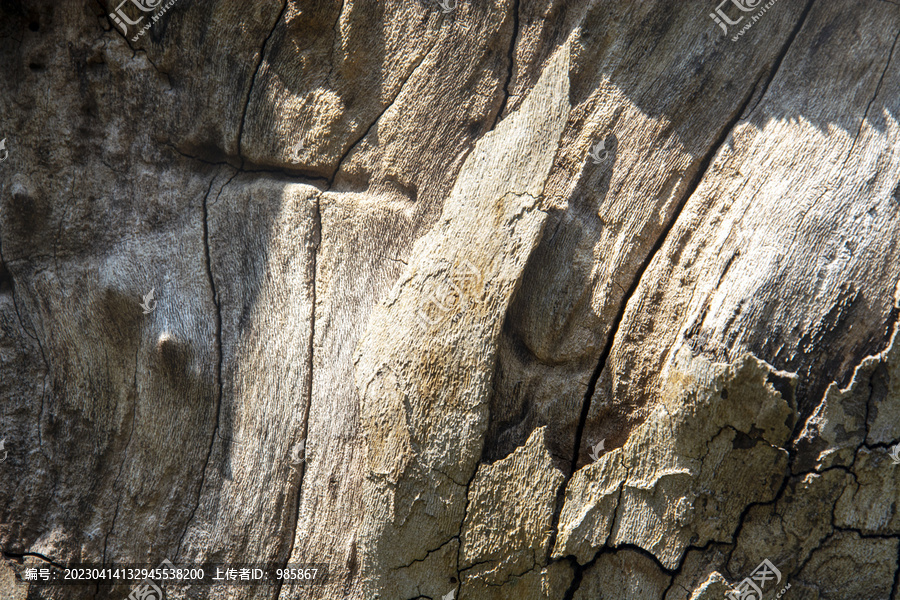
<point>401,298</point>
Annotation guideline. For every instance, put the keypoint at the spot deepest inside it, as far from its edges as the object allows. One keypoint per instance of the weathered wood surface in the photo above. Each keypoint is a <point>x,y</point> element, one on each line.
<point>377,229</point>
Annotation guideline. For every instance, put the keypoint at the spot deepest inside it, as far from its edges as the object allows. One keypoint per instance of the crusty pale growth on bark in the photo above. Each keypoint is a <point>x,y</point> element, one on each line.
<point>712,447</point>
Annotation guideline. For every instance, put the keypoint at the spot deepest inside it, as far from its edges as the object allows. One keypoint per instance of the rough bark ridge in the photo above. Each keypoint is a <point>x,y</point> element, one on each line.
<point>521,365</point>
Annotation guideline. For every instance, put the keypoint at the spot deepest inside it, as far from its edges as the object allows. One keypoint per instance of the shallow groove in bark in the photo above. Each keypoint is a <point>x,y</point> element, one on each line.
<point>337,35</point>
<point>108,533</point>
<point>776,64</point>
<point>262,54</point>
<point>429,553</point>
<point>244,167</point>
<point>374,122</point>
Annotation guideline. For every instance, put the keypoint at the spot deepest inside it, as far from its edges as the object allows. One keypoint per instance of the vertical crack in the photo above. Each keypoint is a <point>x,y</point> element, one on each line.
<point>219,358</point>
<point>33,336</point>
<point>862,121</point>
<point>337,36</point>
<point>262,53</point>
<point>124,455</point>
<point>896,587</point>
<point>577,577</point>
<point>317,241</point>
<point>691,188</point>
<point>689,191</point>
<point>776,65</point>
<point>375,121</point>
<point>510,59</point>
<point>462,523</point>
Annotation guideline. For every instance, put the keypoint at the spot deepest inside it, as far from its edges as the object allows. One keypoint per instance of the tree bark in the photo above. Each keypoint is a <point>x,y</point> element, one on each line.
<point>529,299</point>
